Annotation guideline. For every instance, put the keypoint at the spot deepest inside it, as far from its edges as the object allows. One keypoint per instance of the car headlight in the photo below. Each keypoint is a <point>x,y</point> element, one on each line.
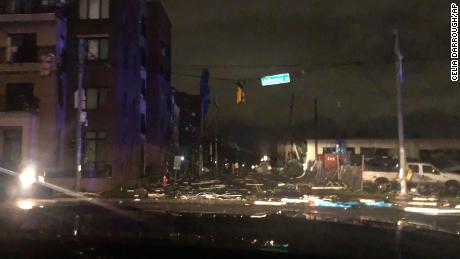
<point>25,204</point>
<point>269,167</point>
<point>28,177</point>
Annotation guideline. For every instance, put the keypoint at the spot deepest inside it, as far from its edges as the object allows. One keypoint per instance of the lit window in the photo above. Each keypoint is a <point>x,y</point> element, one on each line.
<point>93,49</point>
<point>98,48</point>
<point>105,9</point>
<point>94,9</point>
<point>83,9</point>
<point>95,97</point>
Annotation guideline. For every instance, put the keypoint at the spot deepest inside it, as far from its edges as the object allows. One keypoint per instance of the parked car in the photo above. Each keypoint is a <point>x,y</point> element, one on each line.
<point>452,169</point>
<point>264,167</point>
<point>423,173</point>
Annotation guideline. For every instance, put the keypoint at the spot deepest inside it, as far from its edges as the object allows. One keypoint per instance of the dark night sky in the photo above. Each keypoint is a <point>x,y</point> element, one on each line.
<point>233,37</point>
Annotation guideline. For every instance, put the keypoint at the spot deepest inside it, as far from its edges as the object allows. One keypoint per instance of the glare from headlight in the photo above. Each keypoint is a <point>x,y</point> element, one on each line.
<point>28,177</point>
<point>269,167</point>
<point>25,204</point>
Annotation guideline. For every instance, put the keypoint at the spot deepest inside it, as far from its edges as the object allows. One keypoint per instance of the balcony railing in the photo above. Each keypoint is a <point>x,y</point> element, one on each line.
<point>26,7</point>
<point>32,57</point>
<point>20,103</point>
<point>96,170</point>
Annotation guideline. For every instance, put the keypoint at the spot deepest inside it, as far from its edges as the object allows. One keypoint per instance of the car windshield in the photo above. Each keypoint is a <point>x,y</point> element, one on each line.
<point>259,116</point>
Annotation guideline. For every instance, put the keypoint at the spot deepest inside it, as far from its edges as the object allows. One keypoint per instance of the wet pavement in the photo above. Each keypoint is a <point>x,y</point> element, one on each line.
<point>83,227</point>
<point>259,196</point>
<point>266,214</point>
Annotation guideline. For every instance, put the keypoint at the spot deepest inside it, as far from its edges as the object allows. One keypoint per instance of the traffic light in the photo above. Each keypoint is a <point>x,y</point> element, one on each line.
<point>240,94</point>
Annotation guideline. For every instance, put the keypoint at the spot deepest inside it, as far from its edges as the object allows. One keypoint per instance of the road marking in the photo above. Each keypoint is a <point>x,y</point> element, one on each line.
<point>327,188</point>
<point>270,203</point>
<point>432,211</point>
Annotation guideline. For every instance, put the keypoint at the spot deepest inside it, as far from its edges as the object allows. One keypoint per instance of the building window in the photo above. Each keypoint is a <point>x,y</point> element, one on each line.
<point>328,150</point>
<point>22,47</point>
<point>98,48</point>
<point>95,154</point>
<point>143,126</point>
<point>143,57</point>
<point>94,9</point>
<point>95,98</point>
<point>20,97</point>
<point>15,6</point>
<point>143,87</point>
<point>12,143</point>
<point>95,146</point>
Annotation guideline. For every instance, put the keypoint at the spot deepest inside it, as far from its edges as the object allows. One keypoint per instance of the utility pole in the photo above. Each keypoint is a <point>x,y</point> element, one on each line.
<point>79,140</point>
<point>399,79</point>
<point>316,128</point>
<point>204,101</point>
<point>216,134</point>
<point>289,131</point>
<point>200,148</point>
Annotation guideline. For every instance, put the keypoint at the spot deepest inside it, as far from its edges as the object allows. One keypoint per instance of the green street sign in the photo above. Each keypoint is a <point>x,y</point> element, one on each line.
<point>275,79</point>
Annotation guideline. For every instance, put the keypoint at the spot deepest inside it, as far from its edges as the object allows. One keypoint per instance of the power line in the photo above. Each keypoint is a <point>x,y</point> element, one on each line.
<point>213,78</point>
<point>307,68</point>
<point>233,66</point>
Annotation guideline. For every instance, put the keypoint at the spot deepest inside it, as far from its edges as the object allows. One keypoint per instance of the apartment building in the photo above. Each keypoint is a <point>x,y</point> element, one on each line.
<point>127,90</point>
<point>160,105</point>
<point>33,83</point>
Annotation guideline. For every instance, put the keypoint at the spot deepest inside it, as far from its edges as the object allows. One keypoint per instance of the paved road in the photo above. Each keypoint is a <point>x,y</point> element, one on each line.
<point>293,227</point>
<point>313,208</point>
<point>259,197</point>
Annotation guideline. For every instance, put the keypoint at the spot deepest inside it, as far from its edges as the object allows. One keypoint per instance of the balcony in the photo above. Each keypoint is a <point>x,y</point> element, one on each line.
<point>27,6</point>
<point>35,17</point>
<point>29,62</point>
<point>21,103</point>
<point>20,67</point>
